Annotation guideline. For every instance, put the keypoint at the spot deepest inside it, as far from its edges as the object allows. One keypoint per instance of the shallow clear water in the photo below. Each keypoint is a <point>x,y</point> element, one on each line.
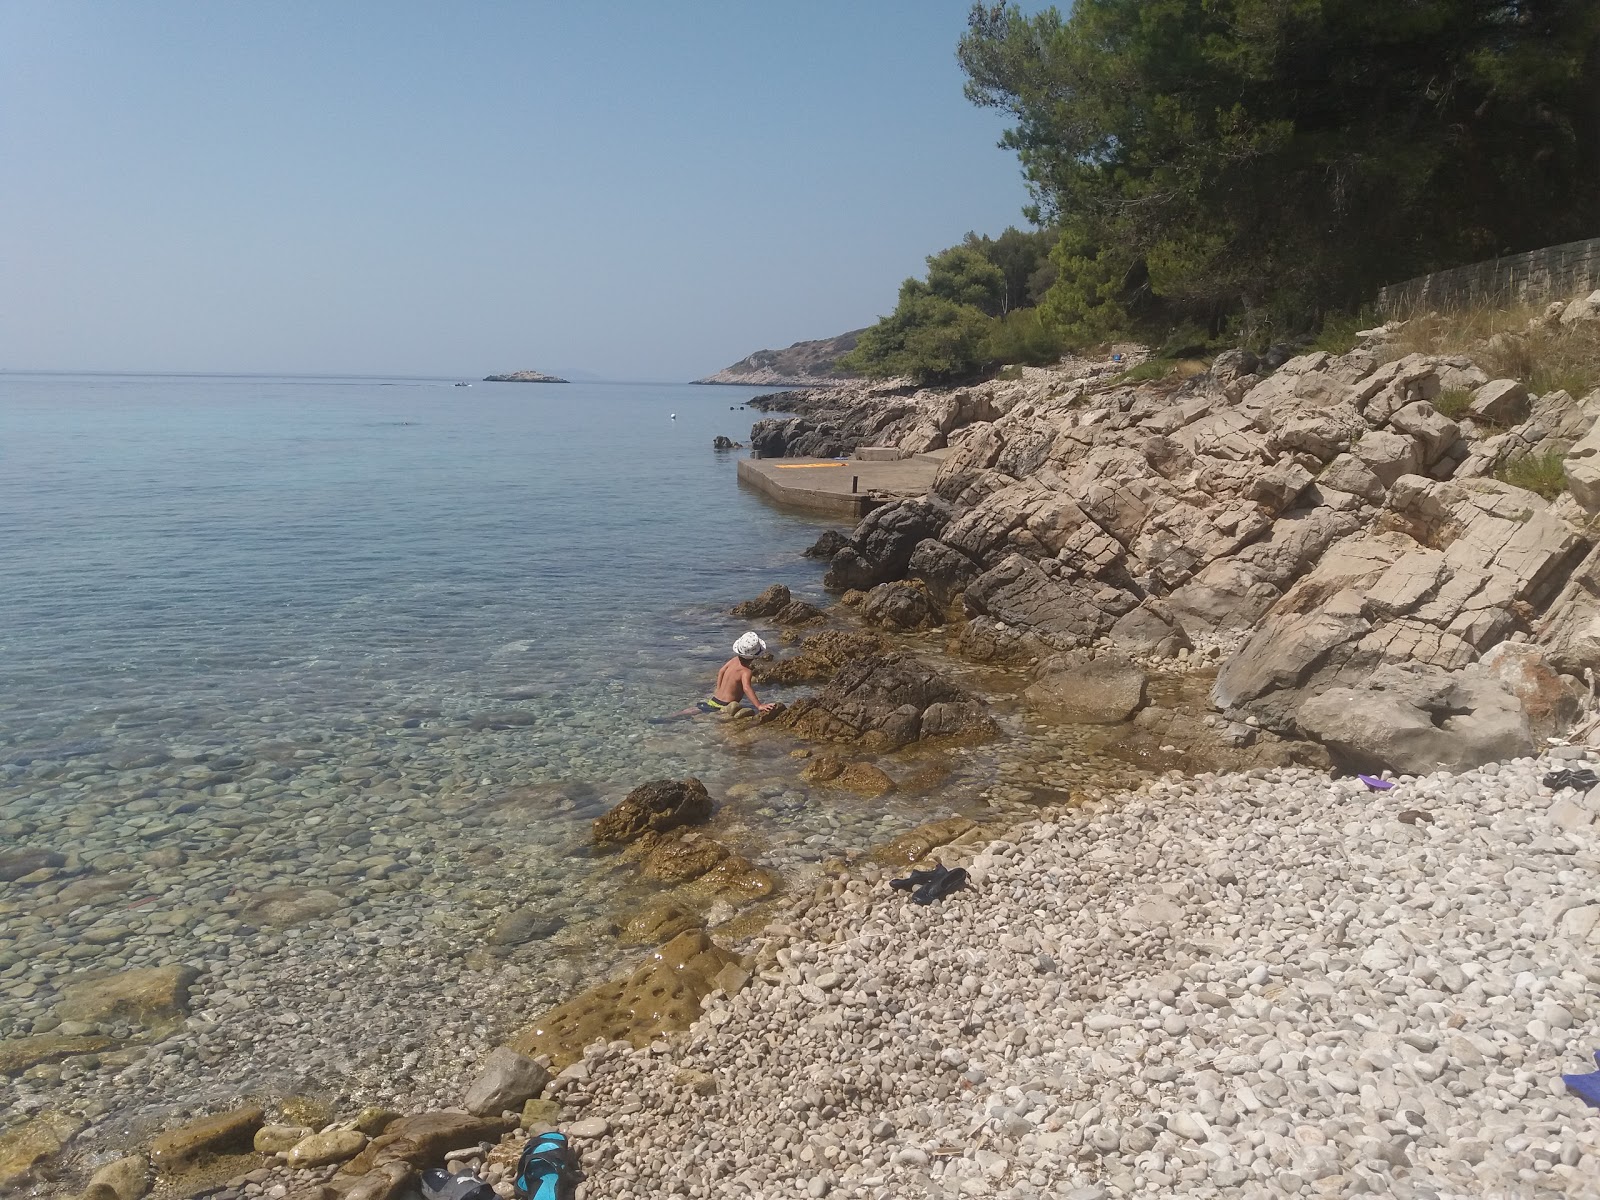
<point>182,550</point>
<point>317,683</point>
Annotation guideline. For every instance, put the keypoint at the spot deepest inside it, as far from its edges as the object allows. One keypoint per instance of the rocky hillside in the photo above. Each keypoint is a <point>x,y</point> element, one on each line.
<point>804,364</point>
<point>1353,558</point>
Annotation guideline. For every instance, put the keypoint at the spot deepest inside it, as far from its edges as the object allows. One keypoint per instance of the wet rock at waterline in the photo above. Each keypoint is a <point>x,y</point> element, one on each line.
<point>422,1140</point>
<point>881,546</point>
<point>916,844</point>
<point>779,606</point>
<point>32,1144</point>
<point>220,1134</point>
<point>864,779</point>
<point>654,807</point>
<point>678,859</point>
<point>658,922</point>
<point>826,546</point>
<point>152,997</point>
<point>901,605</point>
<point>1083,690</point>
<point>889,701</point>
<point>821,656</point>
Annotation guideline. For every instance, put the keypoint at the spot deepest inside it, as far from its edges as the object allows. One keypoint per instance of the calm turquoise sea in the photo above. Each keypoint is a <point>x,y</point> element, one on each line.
<point>218,560</point>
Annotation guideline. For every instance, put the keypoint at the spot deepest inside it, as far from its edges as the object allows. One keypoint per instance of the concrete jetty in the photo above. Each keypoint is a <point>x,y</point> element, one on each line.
<point>849,487</point>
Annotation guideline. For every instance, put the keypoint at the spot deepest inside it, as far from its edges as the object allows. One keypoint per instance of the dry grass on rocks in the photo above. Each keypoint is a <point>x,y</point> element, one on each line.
<point>1511,343</point>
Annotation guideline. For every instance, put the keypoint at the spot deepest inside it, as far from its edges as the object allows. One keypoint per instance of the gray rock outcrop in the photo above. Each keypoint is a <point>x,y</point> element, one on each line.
<point>1314,528</point>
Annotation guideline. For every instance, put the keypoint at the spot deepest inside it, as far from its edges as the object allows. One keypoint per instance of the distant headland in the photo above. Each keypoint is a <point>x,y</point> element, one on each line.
<point>804,364</point>
<point>524,377</point>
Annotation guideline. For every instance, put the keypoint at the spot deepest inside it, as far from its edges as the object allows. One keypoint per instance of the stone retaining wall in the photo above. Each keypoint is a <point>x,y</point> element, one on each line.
<point>1554,273</point>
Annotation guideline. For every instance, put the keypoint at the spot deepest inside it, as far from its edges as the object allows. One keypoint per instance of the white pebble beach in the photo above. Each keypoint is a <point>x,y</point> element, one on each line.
<point>1259,985</point>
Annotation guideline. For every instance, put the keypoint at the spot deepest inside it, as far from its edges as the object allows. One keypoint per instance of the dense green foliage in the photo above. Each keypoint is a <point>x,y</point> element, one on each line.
<point>971,313</point>
<point>1264,161</point>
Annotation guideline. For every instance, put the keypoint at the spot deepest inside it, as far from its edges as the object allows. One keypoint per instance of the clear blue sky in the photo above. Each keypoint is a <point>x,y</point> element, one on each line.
<point>638,190</point>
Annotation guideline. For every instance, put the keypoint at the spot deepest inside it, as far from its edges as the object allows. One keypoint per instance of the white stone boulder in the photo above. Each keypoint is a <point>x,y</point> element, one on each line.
<point>1414,719</point>
<point>1500,402</point>
<point>1583,471</point>
<point>1388,455</point>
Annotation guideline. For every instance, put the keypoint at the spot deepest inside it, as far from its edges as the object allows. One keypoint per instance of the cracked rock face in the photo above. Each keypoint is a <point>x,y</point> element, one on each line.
<point>1313,527</point>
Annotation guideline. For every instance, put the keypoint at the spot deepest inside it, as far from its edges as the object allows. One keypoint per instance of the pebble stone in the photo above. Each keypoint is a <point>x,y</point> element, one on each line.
<point>1246,1046</point>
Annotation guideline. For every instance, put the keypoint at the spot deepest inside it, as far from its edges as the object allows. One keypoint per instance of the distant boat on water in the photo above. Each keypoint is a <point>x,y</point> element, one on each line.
<point>463,385</point>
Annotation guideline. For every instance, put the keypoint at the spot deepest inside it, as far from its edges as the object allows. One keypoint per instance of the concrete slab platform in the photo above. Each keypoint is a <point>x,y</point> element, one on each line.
<point>843,487</point>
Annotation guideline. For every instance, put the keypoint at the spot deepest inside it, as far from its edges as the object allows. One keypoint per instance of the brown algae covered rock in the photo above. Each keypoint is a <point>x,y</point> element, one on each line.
<point>662,995</point>
<point>918,843</point>
<point>889,701</point>
<point>32,1144</point>
<point>149,996</point>
<point>821,656</point>
<point>225,1133</point>
<point>655,807</point>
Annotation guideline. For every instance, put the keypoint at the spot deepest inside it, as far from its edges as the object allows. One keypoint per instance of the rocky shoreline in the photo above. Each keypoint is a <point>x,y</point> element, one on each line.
<point>1267,983</point>
<point>1270,984</point>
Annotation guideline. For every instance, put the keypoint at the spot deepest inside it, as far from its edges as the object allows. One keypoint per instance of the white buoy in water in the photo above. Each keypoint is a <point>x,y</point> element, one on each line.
<point>674,416</point>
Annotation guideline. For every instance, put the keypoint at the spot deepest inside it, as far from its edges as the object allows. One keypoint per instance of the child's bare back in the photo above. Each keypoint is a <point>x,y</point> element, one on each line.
<point>733,683</point>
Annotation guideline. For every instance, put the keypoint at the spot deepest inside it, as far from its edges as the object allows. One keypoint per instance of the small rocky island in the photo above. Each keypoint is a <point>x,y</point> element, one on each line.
<point>524,377</point>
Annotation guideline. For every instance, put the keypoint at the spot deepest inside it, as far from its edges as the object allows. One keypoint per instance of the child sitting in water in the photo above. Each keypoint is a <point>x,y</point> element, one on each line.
<point>733,682</point>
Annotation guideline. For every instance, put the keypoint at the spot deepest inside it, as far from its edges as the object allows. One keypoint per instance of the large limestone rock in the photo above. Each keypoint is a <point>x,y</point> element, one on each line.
<point>886,702</point>
<point>882,544</point>
<point>1347,473</point>
<point>1152,628</point>
<point>1583,471</point>
<point>150,996</point>
<point>1280,485</point>
<point>901,605</point>
<point>1414,719</point>
<point>655,807</point>
<point>1047,601</point>
<point>1388,455</point>
<point>943,569</point>
<point>1076,689</point>
<point>663,994</point>
<point>505,1081</point>
<point>1525,671</point>
<point>1434,433</point>
<point>1570,631</point>
<point>1500,402</point>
